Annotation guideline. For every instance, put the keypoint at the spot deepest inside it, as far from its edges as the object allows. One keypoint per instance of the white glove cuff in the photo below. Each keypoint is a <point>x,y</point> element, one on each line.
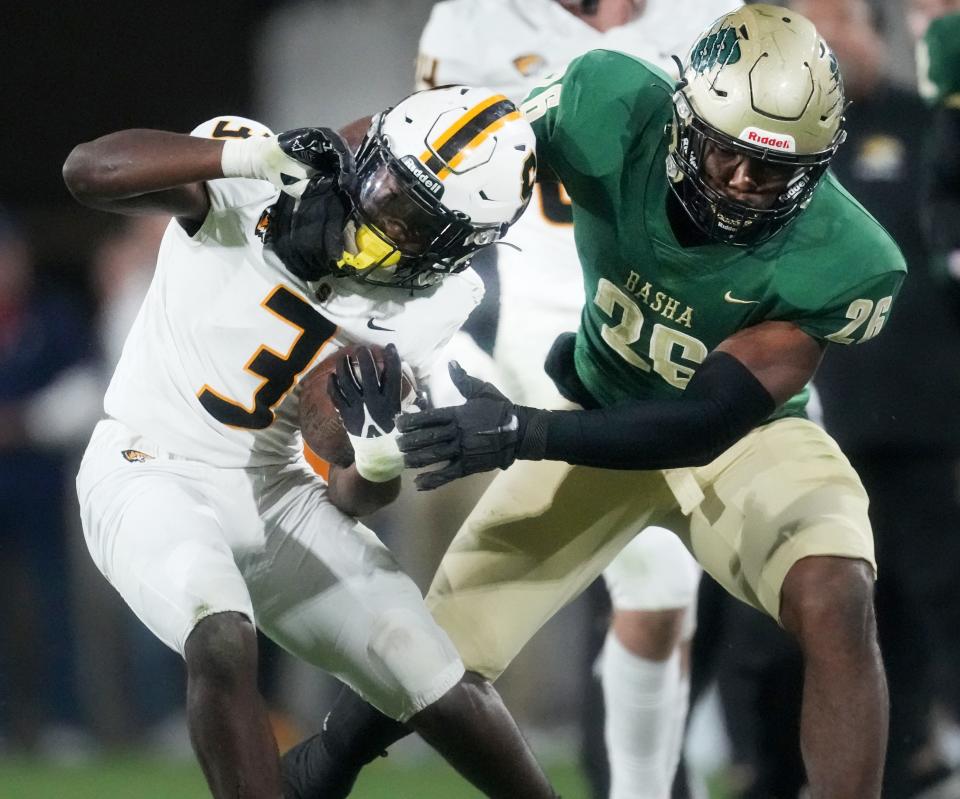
<point>245,158</point>
<point>379,459</point>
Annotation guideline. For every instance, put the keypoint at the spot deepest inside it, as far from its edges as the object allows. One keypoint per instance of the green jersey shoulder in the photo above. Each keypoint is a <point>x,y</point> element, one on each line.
<point>653,308</point>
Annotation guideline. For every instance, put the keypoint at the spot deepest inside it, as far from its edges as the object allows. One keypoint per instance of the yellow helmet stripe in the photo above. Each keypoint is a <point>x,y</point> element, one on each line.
<point>439,153</point>
<point>475,141</point>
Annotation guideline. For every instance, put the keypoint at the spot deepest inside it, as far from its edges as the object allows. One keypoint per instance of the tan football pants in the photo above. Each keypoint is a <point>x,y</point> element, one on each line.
<point>544,530</point>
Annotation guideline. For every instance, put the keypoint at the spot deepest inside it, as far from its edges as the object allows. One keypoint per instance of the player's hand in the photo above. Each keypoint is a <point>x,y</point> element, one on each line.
<point>291,160</point>
<point>480,435</point>
<point>369,401</point>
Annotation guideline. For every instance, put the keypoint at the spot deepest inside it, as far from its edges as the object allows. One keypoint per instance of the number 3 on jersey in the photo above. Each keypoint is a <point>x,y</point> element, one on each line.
<point>277,372</point>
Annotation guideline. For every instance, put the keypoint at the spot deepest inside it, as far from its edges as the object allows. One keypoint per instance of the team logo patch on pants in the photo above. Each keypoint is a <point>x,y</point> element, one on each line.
<point>135,455</point>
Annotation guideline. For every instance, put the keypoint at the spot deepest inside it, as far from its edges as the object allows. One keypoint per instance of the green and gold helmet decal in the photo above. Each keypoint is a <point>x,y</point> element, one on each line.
<point>762,75</point>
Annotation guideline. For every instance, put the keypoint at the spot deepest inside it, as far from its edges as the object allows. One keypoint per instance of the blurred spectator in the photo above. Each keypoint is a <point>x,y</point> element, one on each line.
<point>42,335</point>
<point>886,407</point>
<point>132,687</point>
<point>936,24</point>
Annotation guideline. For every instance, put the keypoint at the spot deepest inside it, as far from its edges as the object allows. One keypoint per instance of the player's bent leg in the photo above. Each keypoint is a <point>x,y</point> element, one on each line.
<point>803,554</point>
<point>226,715</point>
<point>645,697</point>
<point>335,596</point>
<point>540,534</point>
<point>469,726</point>
<point>326,765</point>
<point>827,603</point>
<point>153,530</point>
<point>472,729</point>
<point>644,676</point>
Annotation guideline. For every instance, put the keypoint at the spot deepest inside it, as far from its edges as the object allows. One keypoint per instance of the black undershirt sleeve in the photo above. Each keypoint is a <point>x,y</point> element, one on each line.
<point>722,403</point>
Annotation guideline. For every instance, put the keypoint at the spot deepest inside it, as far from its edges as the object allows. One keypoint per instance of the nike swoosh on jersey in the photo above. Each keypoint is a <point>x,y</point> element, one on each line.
<point>730,298</point>
<point>374,326</point>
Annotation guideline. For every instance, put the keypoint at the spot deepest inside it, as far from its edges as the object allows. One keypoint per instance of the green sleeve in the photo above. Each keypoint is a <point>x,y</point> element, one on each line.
<point>856,315</point>
<point>938,61</point>
<point>586,117</point>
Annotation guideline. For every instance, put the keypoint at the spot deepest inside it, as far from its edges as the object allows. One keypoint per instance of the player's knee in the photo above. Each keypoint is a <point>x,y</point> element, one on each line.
<point>651,634</point>
<point>416,654</point>
<point>222,650</point>
<point>828,601</point>
<point>468,697</point>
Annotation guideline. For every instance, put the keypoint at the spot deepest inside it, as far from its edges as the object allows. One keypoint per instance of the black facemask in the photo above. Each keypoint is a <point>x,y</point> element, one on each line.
<point>307,234</point>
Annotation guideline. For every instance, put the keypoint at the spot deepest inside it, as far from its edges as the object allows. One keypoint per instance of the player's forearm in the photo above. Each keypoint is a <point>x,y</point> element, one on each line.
<point>139,170</point>
<point>356,496</point>
<point>721,404</point>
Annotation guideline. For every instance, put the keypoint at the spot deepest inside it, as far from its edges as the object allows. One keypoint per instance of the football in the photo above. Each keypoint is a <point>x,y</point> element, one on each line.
<point>320,423</point>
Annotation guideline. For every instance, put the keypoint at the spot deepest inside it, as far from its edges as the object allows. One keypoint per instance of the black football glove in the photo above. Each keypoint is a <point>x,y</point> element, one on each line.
<point>307,233</point>
<point>487,432</point>
<point>323,151</point>
<point>291,160</point>
<point>369,407</point>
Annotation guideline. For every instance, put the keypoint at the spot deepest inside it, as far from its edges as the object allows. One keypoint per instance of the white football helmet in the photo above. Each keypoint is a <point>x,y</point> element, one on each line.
<point>439,176</point>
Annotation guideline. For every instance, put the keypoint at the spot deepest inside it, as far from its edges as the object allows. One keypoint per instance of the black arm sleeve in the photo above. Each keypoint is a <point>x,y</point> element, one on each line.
<point>722,403</point>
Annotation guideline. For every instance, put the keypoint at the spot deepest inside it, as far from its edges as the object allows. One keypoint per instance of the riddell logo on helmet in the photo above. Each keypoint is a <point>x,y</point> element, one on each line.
<point>426,178</point>
<point>764,138</point>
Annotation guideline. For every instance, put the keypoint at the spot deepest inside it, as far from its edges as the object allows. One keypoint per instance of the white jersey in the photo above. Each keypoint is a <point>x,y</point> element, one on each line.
<point>511,46</point>
<point>211,367</point>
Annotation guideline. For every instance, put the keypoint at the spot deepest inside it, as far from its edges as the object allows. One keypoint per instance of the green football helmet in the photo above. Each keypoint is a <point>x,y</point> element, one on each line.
<point>759,82</point>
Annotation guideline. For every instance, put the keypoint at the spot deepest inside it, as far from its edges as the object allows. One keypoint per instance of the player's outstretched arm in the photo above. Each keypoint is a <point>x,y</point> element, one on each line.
<point>157,172</point>
<point>145,172</point>
<point>737,387</point>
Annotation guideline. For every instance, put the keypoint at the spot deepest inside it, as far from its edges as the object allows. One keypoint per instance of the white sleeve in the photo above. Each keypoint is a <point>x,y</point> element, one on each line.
<point>448,49</point>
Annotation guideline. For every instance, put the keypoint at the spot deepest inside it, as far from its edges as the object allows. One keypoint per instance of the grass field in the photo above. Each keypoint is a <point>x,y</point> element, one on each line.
<point>135,778</point>
<point>139,778</point>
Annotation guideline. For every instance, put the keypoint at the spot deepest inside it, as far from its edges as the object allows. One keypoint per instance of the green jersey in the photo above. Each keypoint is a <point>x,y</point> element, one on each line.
<point>654,309</point>
<point>938,61</point>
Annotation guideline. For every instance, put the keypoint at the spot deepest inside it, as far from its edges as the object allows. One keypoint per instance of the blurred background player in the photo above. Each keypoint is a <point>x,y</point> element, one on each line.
<point>644,669</point>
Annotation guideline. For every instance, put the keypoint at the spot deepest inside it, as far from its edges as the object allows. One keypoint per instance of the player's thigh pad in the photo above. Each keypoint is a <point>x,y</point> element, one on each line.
<point>655,571</point>
<point>782,493</point>
<point>150,526</point>
<point>330,592</point>
<point>539,535</point>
